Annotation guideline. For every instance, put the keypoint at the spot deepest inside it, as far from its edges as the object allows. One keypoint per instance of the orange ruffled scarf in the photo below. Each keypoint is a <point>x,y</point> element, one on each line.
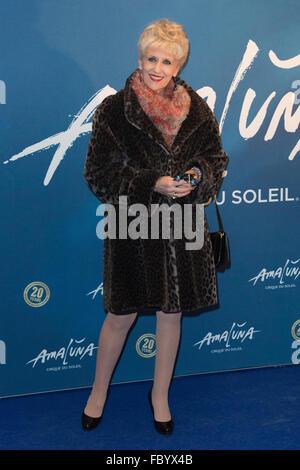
<point>166,112</point>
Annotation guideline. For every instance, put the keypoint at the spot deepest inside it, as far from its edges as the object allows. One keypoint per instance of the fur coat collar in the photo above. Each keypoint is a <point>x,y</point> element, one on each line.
<point>138,118</point>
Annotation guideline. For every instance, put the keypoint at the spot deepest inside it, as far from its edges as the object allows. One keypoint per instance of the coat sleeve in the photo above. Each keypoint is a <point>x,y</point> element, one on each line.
<point>211,159</point>
<point>107,171</point>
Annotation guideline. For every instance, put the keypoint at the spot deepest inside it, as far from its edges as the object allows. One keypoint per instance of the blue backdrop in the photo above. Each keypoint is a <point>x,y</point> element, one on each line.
<point>59,58</point>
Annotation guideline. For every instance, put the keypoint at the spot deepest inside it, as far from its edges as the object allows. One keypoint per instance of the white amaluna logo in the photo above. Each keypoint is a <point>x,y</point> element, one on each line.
<point>75,349</point>
<point>80,125</point>
<point>290,271</point>
<point>238,333</point>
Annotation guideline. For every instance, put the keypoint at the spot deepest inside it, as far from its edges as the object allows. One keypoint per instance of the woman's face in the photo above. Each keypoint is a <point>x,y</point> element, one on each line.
<point>158,67</point>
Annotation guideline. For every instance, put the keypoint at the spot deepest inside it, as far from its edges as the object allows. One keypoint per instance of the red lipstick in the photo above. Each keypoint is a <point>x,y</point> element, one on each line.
<point>155,78</point>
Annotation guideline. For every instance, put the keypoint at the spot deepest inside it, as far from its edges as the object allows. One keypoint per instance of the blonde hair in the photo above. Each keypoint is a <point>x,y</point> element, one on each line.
<point>167,35</point>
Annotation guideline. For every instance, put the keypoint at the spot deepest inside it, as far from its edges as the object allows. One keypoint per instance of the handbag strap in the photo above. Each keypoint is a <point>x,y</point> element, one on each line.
<point>221,229</point>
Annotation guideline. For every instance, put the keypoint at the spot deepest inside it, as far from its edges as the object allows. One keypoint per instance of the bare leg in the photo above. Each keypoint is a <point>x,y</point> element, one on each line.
<point>168,331</point>
<point>111,341</point>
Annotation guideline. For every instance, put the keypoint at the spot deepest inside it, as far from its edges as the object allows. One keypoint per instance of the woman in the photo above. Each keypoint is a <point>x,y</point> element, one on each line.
<point>153,130</point>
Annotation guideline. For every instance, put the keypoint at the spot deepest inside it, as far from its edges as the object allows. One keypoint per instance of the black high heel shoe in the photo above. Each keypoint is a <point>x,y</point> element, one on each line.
<point>163,427</point>
<point>89,423</point>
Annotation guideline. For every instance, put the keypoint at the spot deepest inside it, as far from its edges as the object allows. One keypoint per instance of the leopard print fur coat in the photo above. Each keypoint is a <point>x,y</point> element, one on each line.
<point>125,157</point>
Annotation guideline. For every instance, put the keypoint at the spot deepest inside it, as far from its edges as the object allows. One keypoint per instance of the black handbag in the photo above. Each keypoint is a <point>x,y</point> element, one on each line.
<point>220,244</point>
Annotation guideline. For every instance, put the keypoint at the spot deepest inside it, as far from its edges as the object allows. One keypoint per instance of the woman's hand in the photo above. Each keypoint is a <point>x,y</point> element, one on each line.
<point>167,186</point>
